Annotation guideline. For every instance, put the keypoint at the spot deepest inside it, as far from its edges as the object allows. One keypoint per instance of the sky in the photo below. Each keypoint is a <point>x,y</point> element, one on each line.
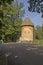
<point>34,17</point>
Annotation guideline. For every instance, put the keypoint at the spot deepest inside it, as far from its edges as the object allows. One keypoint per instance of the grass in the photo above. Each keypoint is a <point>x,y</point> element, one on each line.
<point>38,42</point>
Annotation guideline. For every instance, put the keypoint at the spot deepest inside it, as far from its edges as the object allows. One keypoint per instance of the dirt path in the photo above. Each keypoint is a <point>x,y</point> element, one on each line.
<point>23,54</point>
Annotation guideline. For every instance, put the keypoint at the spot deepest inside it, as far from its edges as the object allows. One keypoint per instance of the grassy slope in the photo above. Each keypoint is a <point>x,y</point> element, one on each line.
<point>38,42</point>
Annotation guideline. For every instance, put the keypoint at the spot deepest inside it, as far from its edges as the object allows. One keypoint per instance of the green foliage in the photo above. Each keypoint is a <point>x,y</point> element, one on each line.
<point>36,6</point>
<point>38,35</point>
<point>21,5</point>
<point>10,20</point>
<point>38,32</point>
<point>38,42</point>
<point>42,31</point>
<point>6,1</point>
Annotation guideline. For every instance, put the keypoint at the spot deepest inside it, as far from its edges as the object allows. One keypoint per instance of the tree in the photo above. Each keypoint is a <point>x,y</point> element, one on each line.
<point>3,10</point>
<point>36,6</point>
<point>38,32</point>
<point>17,26</point>
<point>42,31</point>
<point>9,14</point>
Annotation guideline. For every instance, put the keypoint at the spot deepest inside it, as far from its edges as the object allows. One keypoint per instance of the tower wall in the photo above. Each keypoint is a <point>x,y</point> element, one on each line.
<point>27,33</point>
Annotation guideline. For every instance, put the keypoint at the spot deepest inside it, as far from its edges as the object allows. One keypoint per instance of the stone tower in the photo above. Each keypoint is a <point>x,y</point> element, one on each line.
<point>27,29</point>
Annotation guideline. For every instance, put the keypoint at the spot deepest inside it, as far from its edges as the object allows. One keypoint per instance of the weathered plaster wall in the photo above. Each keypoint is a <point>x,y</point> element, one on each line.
<point>27,33</point>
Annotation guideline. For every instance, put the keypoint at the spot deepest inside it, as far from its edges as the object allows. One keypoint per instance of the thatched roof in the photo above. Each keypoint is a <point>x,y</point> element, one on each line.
<point>27,21</point>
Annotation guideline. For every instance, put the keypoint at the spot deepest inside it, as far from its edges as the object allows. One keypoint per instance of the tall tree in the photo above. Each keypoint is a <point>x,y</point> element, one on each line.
<point>36,6</point>
<point>10,12</point>
<point>38,32</point>
<point>42,31</point>
<point>3,10</point>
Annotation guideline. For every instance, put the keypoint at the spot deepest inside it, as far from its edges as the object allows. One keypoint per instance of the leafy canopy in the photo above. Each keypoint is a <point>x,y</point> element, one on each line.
<point>36,6</point>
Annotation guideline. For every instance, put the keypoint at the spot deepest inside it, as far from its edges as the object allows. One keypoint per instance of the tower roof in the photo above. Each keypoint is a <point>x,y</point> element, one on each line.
<point>27,21</point>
